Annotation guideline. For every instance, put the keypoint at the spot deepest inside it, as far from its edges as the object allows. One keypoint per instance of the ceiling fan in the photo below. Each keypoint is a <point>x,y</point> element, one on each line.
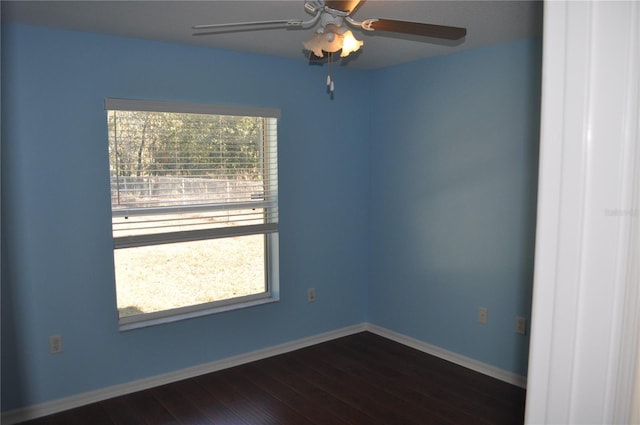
<point>333,33</point>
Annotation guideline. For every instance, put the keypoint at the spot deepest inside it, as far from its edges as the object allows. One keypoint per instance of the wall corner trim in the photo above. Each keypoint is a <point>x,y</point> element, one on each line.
<point>469,363</point>
<point>48,408</point>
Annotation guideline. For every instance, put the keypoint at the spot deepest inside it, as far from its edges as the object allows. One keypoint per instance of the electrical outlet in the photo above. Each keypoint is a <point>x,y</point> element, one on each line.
<point>521,325</point>
<point>311,295</point>
<point>483,315</point>
<point>55,344</point>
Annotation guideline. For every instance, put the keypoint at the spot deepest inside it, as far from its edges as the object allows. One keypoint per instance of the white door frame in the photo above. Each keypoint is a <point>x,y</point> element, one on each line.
<point>586,301</point>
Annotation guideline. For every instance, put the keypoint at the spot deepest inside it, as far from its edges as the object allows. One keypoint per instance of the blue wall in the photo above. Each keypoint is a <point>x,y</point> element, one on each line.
<point>57,268</point>
<point>411,209</point>
<point>453,183</point>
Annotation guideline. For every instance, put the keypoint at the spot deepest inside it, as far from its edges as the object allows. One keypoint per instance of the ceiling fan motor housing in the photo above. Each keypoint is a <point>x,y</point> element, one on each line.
<point>329,19</point>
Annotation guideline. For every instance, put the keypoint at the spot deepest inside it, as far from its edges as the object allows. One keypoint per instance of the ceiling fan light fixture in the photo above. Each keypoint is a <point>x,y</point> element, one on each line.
<point>350,44</point>
<point>332,41</point>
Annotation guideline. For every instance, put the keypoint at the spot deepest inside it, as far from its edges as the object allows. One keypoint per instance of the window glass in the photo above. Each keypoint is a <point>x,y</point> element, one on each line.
<point>194,205</point>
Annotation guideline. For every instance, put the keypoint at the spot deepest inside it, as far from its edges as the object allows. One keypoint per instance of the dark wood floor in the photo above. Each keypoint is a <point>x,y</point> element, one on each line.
<point>359,379</point>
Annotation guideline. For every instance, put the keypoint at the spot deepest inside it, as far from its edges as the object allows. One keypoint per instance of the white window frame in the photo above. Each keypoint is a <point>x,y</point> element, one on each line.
<point>270,230</point>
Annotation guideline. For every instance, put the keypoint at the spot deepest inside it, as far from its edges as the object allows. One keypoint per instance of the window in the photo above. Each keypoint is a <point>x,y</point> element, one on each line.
<point>194,199</point>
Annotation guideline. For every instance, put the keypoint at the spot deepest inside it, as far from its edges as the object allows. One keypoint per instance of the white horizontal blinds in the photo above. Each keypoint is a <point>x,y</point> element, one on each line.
<point>179,176</point>
<point>112,104</point>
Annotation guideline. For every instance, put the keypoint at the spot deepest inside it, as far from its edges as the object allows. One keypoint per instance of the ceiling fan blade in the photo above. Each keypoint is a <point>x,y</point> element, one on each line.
<point>282,22</point>
<point>417,28</point>
<point>343,5</point>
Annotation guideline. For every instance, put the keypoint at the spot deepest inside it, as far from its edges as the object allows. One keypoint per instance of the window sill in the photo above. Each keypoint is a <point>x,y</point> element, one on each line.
<point>169,316</point>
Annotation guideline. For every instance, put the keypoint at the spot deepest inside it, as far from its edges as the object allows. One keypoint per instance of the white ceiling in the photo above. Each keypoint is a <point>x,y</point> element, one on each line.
<point>487,22</point>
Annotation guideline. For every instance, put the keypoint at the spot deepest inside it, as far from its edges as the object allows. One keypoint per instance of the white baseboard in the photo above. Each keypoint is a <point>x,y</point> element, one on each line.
<point>458,359</point>
<point>43,409</point>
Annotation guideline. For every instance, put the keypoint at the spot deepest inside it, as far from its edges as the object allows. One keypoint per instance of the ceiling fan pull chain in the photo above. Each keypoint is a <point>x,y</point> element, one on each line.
<point>328,71</point>
<point>330,85</point>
